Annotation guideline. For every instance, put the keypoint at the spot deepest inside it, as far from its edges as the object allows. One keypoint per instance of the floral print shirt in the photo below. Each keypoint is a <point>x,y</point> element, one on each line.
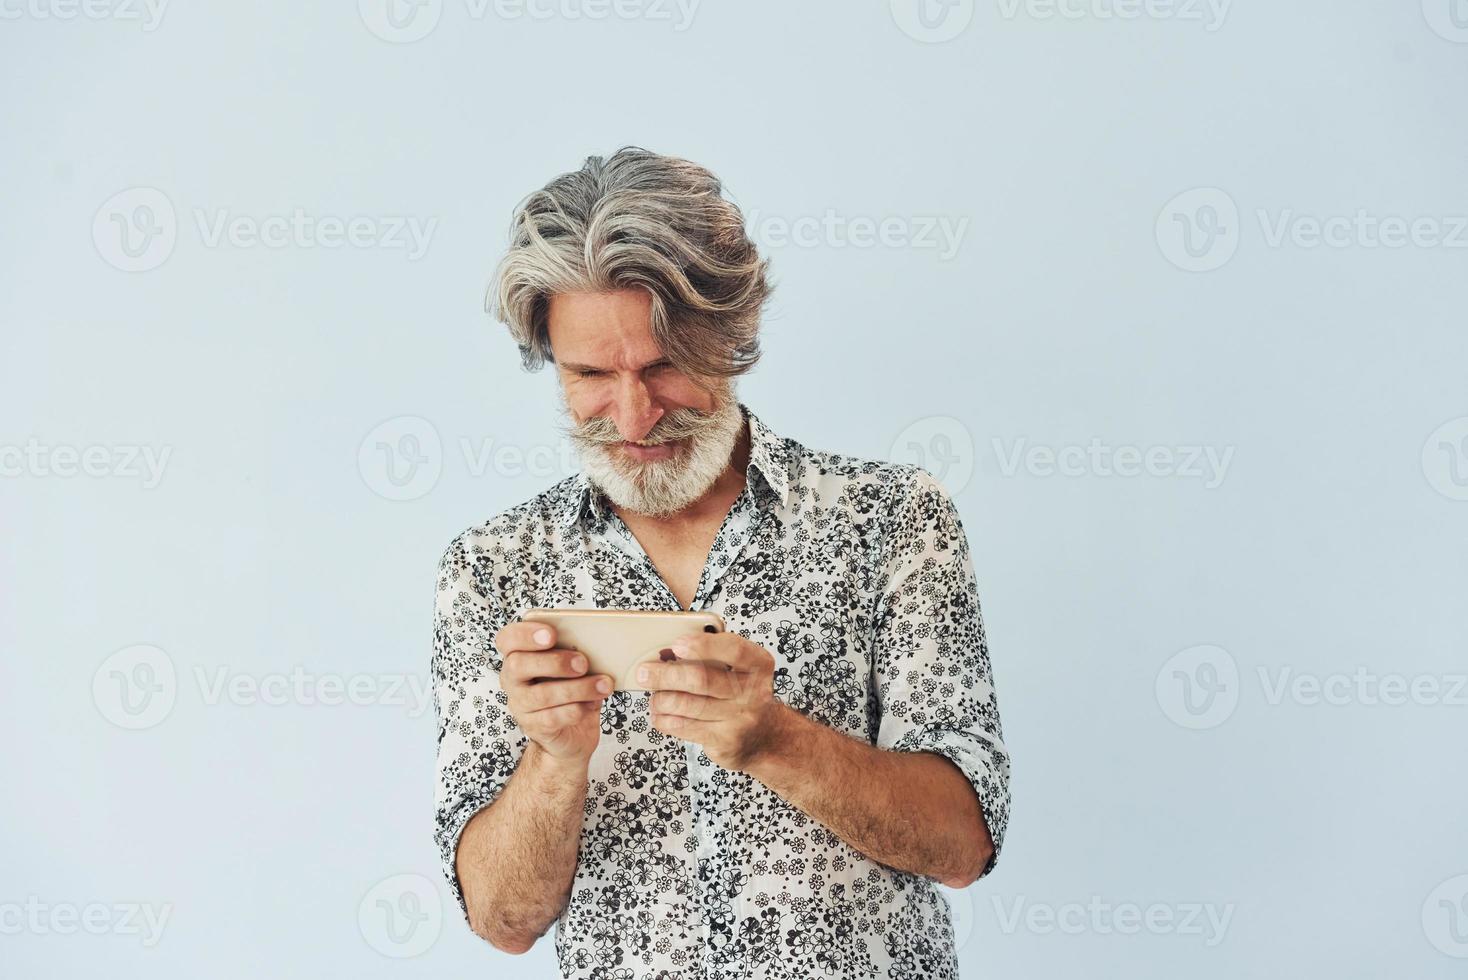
<point>856,575</point>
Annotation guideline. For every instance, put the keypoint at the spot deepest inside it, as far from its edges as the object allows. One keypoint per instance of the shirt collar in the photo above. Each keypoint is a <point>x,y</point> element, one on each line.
<point>769,457</point>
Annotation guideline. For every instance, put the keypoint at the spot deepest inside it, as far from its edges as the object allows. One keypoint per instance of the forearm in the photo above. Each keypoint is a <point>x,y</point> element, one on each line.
<point>517,857</point>
<point>914,811</point>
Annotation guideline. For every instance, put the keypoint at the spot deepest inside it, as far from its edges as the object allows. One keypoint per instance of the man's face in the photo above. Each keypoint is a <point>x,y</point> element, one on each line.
<point>650,437</point>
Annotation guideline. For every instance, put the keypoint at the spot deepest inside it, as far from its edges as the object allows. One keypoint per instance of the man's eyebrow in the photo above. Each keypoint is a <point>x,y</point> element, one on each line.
<point>576,366</point>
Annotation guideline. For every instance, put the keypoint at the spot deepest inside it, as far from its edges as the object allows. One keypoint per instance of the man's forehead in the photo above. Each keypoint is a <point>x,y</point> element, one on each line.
<point>602,330</point>
<point>618,305</point>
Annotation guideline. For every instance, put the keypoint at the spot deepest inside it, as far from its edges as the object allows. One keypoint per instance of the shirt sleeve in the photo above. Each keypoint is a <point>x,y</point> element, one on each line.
<point>930,655</point>
<point>479,744</point>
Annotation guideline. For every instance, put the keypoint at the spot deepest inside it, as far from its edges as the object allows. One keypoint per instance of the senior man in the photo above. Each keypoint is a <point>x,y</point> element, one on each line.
<point>786,806</point>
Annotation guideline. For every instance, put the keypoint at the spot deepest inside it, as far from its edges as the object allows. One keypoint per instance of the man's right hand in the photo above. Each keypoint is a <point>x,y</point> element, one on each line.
<point>552,698</point>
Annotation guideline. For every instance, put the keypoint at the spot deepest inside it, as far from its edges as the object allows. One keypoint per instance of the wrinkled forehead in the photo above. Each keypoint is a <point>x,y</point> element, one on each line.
<point>607,330</point>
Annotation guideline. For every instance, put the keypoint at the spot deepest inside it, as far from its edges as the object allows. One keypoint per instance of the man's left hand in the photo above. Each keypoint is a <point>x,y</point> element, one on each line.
<point>720,694</point>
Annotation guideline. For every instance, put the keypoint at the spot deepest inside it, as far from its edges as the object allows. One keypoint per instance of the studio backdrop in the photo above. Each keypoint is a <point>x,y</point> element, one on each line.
<point>1168,294</point>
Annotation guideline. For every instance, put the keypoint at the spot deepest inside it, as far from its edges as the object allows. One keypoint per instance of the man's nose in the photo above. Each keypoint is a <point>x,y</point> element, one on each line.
<point>635,412</point>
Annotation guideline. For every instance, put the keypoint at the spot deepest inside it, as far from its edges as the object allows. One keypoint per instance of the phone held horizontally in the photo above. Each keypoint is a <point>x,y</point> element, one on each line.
<point>616,641</point>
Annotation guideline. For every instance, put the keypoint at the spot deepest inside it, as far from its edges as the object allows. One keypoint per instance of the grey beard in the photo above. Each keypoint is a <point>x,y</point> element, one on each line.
<point>664,487</point>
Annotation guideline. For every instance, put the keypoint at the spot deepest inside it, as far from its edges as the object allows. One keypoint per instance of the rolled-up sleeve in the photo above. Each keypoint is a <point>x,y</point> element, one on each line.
<point>479,744</point>
<point>930,656</point>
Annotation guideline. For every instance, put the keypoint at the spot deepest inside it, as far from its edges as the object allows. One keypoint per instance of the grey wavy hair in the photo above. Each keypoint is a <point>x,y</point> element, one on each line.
<point>638,219</point>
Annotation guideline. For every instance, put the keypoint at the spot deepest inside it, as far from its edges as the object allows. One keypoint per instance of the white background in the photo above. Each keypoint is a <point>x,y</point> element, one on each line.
<point>1085,300</point>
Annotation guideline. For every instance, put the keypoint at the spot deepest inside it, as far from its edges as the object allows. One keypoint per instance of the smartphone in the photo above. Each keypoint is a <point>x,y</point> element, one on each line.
<point>617,641</point>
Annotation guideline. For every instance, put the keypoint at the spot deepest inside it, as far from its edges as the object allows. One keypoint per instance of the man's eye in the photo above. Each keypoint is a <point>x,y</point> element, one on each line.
<point>588,374</point>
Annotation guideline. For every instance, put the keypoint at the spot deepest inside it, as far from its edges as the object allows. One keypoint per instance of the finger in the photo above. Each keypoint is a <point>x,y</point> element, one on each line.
<point>730,649</point>
<point>524,635</point>
<point>552,694</point>
<point>685,705</point>
<point>526,667</point>
<point>689,729</point>
<point>711,680</point>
